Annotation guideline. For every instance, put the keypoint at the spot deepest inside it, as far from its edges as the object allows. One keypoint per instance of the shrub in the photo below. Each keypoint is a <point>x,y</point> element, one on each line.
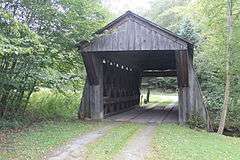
<point>196,121</point>
<point>54,105</point>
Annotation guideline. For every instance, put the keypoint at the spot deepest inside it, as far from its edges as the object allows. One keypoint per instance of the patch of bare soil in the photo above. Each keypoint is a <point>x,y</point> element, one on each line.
<point>139,147</point>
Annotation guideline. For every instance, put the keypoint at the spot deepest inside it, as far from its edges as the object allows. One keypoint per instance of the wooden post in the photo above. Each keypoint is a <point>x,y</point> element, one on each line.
<point>84,108</point>
<point>183,81</point>
<point>92,102</point>
<point>148,95</point>
<point>96,91</point>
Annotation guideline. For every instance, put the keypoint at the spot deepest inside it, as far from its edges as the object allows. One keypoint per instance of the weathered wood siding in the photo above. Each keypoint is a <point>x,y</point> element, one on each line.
<point>92,99</point>
<point>133,34</point>
<point>182,61</point>
<point>196,105</point>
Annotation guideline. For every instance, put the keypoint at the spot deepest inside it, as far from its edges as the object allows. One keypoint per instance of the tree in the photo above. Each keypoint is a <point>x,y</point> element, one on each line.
<point>168,13</point>
<point>188,31</point>
<point>62,24</point>
<point>22,64</point>
<point>228,72</point>
<point>38,47</point>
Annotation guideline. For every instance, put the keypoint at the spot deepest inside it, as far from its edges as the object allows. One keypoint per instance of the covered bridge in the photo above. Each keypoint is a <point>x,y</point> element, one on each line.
<point>128,49</point>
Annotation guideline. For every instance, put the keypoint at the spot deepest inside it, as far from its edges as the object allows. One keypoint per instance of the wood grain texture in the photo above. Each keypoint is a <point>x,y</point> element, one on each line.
<point>132,33</point>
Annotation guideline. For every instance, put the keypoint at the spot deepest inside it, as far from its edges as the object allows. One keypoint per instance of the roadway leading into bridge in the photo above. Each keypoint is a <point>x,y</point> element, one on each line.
<point>156,114</point>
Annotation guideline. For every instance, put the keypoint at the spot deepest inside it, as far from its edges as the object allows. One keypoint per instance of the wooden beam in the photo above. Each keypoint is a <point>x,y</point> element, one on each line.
<point>84,108</point>
<point>163,73</point>
<point>90,62</point>
<point>183,84</point>
<point>182,68</point>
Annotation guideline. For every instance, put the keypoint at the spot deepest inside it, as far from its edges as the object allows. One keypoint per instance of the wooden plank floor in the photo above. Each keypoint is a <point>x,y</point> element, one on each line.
<point>157,114</point>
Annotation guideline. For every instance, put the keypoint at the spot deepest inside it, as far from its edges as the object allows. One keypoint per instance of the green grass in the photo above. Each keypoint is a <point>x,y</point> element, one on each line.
<point>113,142</point>
<point>40,139</point>
<point>173,142</point>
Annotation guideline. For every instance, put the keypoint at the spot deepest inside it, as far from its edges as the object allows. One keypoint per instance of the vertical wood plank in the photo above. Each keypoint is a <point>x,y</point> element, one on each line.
<point>115,40</point>
<point>96,92</point>
<point>183,92</point>
<point>155,41</point>
<point>131,33</point>
<point>138,36</point>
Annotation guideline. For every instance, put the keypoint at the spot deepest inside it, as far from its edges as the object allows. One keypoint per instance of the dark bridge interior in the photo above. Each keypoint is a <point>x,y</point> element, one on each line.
<point>123,72</point>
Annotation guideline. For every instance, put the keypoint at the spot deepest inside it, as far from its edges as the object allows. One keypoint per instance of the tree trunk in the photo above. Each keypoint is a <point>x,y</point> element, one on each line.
<point>228,73</point>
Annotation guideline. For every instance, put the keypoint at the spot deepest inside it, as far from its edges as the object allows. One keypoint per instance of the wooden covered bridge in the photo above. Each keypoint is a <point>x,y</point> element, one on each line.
<point>128,49</point>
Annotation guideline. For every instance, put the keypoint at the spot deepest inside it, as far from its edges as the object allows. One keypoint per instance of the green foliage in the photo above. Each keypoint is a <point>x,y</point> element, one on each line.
<point>45,105</point>
<point>22,63</point>
<point>158,98</point>
<point>62,24</point>
<point>18,121</point>
<point>162,83</point>
<point>196,121</point>
<point>38,49</point>
<point>168,13</point>
<point>54,105</point>
<point>210,61</point>
<point>188,31</point>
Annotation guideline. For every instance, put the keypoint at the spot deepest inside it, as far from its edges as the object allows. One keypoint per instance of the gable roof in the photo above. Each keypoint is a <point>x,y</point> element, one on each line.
<point>132,32</point>
<point>131,14</point>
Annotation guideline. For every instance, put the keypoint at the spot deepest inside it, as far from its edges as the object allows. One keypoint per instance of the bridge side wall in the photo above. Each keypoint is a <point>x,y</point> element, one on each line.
<point>121,89</point>
<point>109,89</point>
<point>191,102</point>
<point>196,102</point>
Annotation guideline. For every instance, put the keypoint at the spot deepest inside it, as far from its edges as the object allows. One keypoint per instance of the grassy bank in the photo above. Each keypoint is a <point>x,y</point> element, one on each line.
<point>173,142</point>
<point>36,141</point>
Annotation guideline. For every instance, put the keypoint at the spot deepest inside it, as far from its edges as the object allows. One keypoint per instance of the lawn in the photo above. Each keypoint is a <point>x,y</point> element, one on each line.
<point>173,142</point>
<point>113,142</point>
<point>38,140</point>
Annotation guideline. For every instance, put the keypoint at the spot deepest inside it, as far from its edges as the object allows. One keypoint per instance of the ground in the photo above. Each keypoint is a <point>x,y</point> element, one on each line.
<point>118,140</point>
<point>126,139</point>
<point>115,140</point>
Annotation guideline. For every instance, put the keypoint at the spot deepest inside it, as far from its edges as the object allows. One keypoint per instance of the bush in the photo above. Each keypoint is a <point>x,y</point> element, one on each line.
<point>44,105</point>
<point>54,105</point>
<point>15,122</point>
<point>196,121</point>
